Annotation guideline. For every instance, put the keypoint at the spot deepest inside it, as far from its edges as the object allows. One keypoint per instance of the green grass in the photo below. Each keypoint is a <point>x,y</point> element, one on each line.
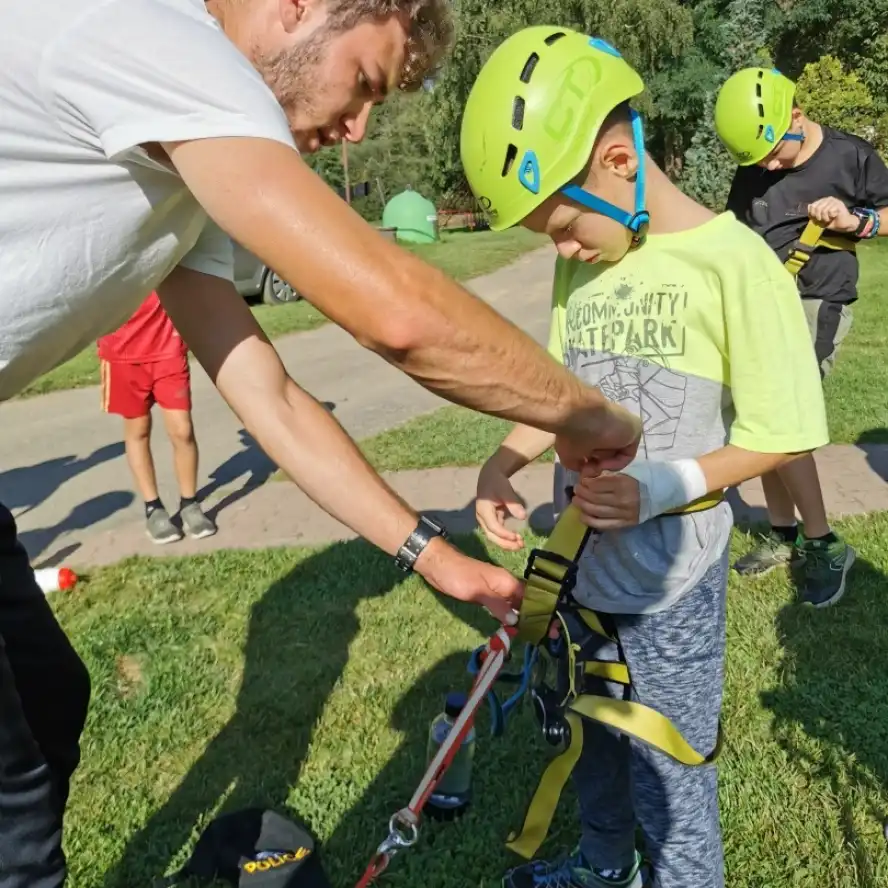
<point>857,407</point>
<point>309,678</point>
<point>855,391</point>
<point>461,255</point>
<point>451,436</point>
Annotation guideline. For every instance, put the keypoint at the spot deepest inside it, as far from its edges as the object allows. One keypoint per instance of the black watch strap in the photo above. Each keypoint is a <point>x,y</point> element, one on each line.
<point>422,534</point>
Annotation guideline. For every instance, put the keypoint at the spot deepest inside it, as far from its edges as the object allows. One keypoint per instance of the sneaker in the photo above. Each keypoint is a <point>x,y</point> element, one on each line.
<point>573,872</point>
<point>826,565</point>
<point>772,551</point>
<point>195,523</point>
<point>160,529</point>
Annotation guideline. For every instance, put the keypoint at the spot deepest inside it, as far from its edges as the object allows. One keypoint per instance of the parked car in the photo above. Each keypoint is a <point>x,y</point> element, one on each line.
<point>253,278</point>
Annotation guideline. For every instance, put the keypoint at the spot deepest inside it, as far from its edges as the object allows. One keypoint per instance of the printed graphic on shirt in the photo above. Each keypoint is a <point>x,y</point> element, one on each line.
<point>631,319</point>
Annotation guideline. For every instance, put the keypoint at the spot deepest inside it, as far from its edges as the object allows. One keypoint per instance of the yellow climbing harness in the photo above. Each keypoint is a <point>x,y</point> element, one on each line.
<point>812,238</point>
<point>551,576</point>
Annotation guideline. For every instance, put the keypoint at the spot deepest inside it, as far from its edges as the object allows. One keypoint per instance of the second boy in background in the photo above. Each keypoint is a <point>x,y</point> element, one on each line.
<point>143,363</point>
<point>790,169</point>
<point>656,300</point>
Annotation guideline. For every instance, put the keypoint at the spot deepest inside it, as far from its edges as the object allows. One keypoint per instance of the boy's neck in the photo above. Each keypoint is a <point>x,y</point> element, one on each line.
<point>813,140</point>
<point>670,208</point>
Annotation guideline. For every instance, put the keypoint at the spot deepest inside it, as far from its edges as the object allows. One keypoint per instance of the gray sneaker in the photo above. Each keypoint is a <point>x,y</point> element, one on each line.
<point>160,529</point>
<point>195,523</point>
<point>772,551</point>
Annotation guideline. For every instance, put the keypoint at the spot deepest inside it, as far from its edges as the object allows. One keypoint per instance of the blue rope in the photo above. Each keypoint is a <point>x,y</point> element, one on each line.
<point>499,712</point>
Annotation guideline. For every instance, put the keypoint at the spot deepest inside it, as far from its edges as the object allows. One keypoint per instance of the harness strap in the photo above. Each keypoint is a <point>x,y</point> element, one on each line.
<point>812,237</point>
<point>639,721</point>
<point>545,800</point>
<point>551,575</point>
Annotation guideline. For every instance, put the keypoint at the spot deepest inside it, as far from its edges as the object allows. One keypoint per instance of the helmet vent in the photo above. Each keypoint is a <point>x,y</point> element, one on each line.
<point>758,90</point>
<point>553,37</point>
<point>761,130</point>
<point>518,113</point>
<point>529,65</point>
<point>511,154</point>
<point>761,108</point>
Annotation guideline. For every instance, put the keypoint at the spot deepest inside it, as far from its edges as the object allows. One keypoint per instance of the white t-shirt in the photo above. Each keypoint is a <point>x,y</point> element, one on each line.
<point>89,224</point>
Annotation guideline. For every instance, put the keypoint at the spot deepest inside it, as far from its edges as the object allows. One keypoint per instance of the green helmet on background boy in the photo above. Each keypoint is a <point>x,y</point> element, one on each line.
<point>753,114</point>
<point>532,118</point>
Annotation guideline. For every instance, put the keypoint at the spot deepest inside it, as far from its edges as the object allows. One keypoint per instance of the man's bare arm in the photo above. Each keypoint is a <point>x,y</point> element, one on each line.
<point>452,343</point>
<point>305,440</point>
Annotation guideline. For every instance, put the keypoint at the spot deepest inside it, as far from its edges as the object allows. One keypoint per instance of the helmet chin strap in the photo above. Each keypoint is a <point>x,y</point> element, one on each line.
<point>634,222</point>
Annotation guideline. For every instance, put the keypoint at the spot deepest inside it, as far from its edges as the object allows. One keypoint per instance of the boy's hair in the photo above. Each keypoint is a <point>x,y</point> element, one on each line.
<point>430,31</point>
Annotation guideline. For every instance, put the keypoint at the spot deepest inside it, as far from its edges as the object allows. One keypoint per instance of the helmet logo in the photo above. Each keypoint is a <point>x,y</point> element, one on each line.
<point>529,172</point>
<point>573,92</point>
<point>769,134</point>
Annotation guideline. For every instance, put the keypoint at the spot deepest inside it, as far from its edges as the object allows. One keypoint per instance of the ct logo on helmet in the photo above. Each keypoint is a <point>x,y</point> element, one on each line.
<point>580,77</point>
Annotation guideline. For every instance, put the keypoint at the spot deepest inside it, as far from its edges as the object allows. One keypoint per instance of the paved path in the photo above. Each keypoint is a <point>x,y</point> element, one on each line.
<point>62,468</point>
<point>278,514</point>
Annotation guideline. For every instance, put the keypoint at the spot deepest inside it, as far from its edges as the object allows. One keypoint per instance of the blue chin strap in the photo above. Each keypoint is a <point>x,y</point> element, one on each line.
<point>635,222</point>
<point>787,136</point>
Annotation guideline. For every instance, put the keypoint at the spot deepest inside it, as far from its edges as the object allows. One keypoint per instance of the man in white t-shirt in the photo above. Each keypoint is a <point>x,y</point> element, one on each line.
<point>133,133</point>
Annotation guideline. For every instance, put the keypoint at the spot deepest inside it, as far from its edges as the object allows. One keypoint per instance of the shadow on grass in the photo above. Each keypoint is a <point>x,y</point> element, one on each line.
<point>296,649</point>
<point>833,693</point>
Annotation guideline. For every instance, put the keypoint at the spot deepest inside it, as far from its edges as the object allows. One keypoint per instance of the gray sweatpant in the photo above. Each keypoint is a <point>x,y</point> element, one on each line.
<point>676,661</point>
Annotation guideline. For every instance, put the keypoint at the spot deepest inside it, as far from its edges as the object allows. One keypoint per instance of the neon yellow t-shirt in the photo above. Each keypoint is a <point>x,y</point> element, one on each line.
<point>702,335</point>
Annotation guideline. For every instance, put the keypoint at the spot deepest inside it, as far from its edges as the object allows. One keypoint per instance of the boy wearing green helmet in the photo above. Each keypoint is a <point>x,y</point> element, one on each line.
<point>654,301</point>
<point>790,170</point>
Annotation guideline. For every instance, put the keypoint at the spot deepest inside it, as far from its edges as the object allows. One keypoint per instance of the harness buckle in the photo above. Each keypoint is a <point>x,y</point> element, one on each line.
<point>567,582</point>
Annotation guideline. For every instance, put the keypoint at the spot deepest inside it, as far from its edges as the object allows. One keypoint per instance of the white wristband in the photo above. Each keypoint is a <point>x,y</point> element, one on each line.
<point>665,486</point>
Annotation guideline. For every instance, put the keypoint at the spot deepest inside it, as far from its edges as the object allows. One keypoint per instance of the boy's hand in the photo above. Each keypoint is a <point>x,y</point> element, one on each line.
<point>608,501</point>
<point>832,213</point>
<point>496,499</point>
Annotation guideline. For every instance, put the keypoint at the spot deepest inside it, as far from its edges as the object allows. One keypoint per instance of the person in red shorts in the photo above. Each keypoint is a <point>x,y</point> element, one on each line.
<point>143,363</point>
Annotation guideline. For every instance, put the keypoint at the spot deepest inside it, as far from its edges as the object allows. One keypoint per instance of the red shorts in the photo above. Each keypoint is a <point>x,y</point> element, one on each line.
<point>130,390</point>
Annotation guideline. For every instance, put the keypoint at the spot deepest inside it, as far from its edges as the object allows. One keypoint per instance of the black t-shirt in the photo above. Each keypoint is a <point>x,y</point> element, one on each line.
<point>775,205</point>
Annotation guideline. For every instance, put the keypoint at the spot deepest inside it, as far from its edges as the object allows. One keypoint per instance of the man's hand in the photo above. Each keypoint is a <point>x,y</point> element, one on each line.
<point>609,501</point>
<point>832,213</point>
<point>496,498</point>
<point>608,443</point>
<point>464,578</point>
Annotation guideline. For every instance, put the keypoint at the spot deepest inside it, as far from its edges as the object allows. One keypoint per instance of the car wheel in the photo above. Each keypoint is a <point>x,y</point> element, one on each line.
<point>277,292</point>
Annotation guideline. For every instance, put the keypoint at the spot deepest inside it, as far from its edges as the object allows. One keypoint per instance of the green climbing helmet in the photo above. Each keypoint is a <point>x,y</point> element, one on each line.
<point>532,118</point>
<point>753,113</point>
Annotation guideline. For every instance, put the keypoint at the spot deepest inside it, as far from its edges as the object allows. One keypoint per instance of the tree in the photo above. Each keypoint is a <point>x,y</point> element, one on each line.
<point>708,168</point>
<point>838,98</point>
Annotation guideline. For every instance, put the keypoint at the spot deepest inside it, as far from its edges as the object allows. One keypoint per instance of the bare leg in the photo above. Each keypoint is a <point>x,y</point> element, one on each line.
<point>185,454</point>
<point>137,439</point>
<point>781,506</point>
<point>802,485</point>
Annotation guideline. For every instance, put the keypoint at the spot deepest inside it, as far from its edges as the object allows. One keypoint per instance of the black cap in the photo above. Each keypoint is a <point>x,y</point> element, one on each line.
<point>455,703</point>
<point>255,848</point>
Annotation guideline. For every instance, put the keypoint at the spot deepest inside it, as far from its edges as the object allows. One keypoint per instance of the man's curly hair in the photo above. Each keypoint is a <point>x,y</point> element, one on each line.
<point>429,31</point>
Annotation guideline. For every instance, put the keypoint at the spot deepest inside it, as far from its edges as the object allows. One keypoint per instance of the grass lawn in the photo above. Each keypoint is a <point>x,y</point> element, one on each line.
<point>856,402</point>
<point>309,678</point>
<point>461,255</point>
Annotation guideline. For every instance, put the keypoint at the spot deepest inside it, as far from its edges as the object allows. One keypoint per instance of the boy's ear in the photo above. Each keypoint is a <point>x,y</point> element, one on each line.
<point>617,156</point>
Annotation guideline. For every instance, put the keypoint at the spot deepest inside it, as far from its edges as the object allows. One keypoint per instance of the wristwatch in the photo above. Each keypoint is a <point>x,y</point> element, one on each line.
<point>424,532</point>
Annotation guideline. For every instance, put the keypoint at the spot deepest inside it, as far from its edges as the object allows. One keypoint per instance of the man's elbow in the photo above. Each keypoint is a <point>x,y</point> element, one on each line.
<point>395,341</point>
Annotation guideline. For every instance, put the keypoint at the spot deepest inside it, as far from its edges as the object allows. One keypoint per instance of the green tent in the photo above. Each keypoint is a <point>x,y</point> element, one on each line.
<point>414,218</point>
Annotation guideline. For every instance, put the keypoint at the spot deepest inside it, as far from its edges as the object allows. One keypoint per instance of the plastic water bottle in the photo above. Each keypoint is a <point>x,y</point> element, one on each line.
<point>453,793</point>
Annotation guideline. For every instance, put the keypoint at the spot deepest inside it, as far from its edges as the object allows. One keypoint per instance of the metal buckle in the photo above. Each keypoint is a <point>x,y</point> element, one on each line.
<point>554,727</point>
<point>570,569</point>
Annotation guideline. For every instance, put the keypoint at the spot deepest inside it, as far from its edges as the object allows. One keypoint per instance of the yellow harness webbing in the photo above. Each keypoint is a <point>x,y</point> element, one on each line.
<point>551,570</point>
<point>811,238</point>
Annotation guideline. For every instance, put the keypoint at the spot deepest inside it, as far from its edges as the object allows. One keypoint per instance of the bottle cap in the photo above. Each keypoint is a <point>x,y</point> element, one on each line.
<point>454,703</point>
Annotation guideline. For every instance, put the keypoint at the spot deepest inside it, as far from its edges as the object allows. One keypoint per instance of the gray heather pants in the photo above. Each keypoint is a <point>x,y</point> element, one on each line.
<point>676,660</point>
